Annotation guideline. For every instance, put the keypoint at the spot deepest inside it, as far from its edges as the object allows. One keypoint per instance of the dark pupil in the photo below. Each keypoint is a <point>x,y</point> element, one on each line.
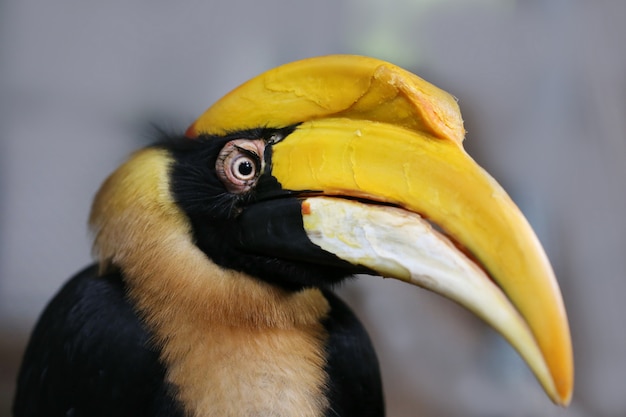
<point>245,168</point>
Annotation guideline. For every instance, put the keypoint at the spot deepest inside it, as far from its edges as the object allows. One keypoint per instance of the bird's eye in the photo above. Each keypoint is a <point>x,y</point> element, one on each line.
<point>244,168</point>
<point>239,164</point>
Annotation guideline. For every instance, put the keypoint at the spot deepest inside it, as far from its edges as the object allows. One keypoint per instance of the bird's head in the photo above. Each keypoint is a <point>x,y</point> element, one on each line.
<point>331,166</point>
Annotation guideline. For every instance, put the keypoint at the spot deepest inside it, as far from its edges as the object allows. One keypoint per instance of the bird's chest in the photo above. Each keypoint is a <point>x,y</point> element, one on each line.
<point>238,372</point>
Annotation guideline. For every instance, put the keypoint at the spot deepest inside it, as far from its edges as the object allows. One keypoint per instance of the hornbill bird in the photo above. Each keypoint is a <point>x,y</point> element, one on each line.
<point>217,252</point>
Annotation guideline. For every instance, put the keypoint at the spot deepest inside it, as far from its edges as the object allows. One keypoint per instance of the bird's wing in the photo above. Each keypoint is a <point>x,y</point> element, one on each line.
<point>352,365</point>
<point>90,355</point>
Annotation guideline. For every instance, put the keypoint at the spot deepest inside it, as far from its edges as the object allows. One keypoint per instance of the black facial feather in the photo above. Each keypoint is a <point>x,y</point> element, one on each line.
<point>215,213</point>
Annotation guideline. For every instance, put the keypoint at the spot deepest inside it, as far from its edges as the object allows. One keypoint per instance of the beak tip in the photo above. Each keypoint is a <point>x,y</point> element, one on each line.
<point>564,393</point>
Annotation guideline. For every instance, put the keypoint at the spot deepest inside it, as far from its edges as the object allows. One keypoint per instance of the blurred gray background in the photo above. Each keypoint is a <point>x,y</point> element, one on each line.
<point>542,86</point>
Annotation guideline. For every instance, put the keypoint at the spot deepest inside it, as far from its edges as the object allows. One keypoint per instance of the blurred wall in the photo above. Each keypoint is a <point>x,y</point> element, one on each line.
<point>542,88</point>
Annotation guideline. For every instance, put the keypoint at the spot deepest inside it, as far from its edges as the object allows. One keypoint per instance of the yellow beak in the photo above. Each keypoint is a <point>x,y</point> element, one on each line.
<point>371,130</point>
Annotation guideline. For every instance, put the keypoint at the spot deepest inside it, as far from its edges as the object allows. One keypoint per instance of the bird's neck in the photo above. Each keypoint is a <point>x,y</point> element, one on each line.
<point>233,345</point>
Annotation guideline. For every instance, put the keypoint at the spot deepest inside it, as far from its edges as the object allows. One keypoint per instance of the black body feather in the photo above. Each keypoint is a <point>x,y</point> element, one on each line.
<point>90,356</point>
<point>354,382</point>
